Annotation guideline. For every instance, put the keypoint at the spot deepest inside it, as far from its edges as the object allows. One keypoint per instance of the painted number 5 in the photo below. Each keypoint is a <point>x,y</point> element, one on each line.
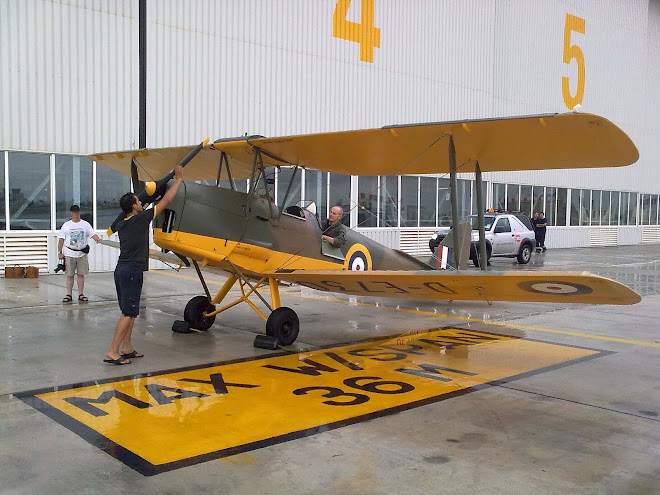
<point>571,52</point>
<point>364,33</point>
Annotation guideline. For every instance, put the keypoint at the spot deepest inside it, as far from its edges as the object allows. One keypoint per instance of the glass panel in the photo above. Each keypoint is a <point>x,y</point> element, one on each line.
<point>464,201</point>
<point>632,209</point>
<point>614,208</point>
<point>623,213</point>
<point>283,178</point>
<point>73,185</point>
<point>340,194</point>
<point>110,187</point>
<point>389,190</point>
<point>550,204</point>
<point>595,207</point>
<point>29,191</point>
<point>367,202</point>
<point>3,224</point>
<point>526,200</point>
<point>474,196</point>
<point>561,206</point>
<point>605,208</point>
<point>427,189</point>
<point>316,189</point>
<point>586,207</point>
<point>444,203</point>
<point>513,197</point>
<point>538,199</point>
<point>575,206</point>
<point>654,210</point>
<point>499,196</point>
<point>644,206</point>
<point>409,206</point>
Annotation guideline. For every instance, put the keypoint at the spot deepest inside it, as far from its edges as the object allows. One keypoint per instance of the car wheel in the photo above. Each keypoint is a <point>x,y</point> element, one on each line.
<point>525,254</point>
<point>475,260</point>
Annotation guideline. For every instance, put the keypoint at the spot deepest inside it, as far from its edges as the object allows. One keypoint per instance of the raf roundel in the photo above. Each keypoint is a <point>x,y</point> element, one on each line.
<point>557,288</point>
<point>358,258</point>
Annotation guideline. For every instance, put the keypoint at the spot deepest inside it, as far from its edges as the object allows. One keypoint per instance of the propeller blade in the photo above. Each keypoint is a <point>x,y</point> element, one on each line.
<point>153,191</point>
<point>138,185</point>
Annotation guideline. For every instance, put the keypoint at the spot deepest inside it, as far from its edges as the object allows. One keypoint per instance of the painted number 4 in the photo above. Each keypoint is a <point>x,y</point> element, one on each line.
<point>363,33</point>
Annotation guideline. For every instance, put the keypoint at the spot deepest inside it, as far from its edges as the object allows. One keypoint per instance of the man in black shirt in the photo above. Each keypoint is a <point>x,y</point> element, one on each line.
<point>133,261</point>
<point>540,224</point>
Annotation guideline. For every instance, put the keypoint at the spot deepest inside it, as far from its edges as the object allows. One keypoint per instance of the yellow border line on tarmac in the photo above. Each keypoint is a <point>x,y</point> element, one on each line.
<point>455,317</point>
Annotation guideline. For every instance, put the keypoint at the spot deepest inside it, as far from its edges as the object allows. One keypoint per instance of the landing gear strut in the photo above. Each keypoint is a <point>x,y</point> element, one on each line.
<point>281,326</point>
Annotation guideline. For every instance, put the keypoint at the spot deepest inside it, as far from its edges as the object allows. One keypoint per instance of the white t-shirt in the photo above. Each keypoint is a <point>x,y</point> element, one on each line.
<point>75,235</point>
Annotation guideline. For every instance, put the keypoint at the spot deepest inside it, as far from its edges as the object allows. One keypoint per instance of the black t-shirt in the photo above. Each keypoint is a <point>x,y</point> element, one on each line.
<point>538,221</point>
<point>134,239</point>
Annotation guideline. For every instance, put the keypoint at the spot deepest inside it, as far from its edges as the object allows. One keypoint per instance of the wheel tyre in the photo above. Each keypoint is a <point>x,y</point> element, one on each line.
<point>195,308</point>
<point>525,254</point>
<point>283,324</point>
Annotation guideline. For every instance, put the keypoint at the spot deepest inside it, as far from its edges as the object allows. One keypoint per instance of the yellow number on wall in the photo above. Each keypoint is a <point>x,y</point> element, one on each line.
<point>364,33</point>
<point>571,52</point>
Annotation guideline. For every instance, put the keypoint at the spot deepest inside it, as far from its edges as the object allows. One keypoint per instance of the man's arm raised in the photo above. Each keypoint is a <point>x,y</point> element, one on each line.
<point>171,192</point>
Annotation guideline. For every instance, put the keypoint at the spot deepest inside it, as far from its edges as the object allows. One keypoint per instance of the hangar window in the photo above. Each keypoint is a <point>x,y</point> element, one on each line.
<point>110,187</point>
<point>409,201</point>
<point>654,210</point>
<point>340,195</point>
<point>595,207</point>
<point>73,185</point>
<point>585,207</point>
<point>550,205</point>
<point>605,207</point>
<point>644,208</point>
<point>316,190</point>
<point>513,197</point>
<point>444,203</point>
<point>499,196</point>
<point>632,209</point>
<point>526,200</point>
<point>428,188</point>
<point>614,207</point>
<point>367,202</point>
<point>561,206</point>
<point>474,195</point>
<point>29,191</point>
<point>538,201</point>
<point>623,209</point>
<point>389,201</point>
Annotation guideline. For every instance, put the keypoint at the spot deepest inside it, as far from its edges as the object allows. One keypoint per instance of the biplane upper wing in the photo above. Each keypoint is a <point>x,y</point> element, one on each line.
<point>567,287</point>
<point>539,142</point>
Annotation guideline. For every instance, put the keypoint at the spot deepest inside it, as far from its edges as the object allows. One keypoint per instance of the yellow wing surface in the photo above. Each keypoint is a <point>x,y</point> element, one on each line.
<point>539,142</point>
<point>553,287</point>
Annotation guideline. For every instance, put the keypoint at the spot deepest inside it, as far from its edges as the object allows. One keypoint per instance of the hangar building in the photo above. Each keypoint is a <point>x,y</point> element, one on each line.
<point>79,77</point>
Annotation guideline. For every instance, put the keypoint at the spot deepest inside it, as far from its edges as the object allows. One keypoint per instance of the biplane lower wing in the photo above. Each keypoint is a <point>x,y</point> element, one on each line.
<point>553,287</point>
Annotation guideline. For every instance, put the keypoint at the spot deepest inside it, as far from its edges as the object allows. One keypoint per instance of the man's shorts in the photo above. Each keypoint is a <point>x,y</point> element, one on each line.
<point>73,265</point>
<point>128,282</point>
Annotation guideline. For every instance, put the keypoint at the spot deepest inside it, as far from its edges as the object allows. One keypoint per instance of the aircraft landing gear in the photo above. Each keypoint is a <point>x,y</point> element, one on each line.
<point>283,325</point>
<point>195,312</point>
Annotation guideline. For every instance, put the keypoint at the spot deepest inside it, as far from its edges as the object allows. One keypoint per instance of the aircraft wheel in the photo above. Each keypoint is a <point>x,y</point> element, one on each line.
<point>283,324</point>
<point>195,308</point>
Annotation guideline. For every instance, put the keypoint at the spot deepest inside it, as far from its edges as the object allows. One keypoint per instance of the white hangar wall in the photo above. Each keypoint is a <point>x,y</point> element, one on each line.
<point>69,77</point>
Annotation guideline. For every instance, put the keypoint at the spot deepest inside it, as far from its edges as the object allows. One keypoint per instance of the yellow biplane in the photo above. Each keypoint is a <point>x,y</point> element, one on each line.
<point>260,243</point>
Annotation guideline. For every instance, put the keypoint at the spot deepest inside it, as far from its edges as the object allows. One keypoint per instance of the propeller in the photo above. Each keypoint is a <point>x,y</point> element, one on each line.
<point>153,191</point>
<point>138,185</point>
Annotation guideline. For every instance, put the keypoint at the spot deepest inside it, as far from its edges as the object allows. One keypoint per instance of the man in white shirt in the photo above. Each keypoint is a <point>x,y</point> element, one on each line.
<point>72,246</point>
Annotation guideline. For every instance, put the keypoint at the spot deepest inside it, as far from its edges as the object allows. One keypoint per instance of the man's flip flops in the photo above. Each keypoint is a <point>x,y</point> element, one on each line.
<point>119,361</point>
<point>132,355</point>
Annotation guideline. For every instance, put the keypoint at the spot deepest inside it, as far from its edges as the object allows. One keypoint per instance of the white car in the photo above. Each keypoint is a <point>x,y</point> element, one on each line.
<point>507,235</point>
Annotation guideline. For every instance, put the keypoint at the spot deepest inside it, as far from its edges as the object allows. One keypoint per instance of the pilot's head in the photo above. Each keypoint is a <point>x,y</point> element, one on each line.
<point>130,204</point>
<point>336,213</point>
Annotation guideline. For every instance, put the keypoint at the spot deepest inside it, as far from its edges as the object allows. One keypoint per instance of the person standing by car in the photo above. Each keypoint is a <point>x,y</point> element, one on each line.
<point>72,246</point>
<point>540,224</point>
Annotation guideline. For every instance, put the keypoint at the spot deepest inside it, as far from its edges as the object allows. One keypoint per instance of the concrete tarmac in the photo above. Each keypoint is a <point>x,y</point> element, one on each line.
<point>588,426</point>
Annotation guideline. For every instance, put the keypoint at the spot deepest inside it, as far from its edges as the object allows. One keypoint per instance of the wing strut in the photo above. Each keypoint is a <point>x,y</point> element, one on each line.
<point>482,254</point>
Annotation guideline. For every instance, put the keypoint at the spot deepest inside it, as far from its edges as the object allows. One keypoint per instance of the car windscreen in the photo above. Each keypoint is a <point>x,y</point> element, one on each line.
<point>474,221</point>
